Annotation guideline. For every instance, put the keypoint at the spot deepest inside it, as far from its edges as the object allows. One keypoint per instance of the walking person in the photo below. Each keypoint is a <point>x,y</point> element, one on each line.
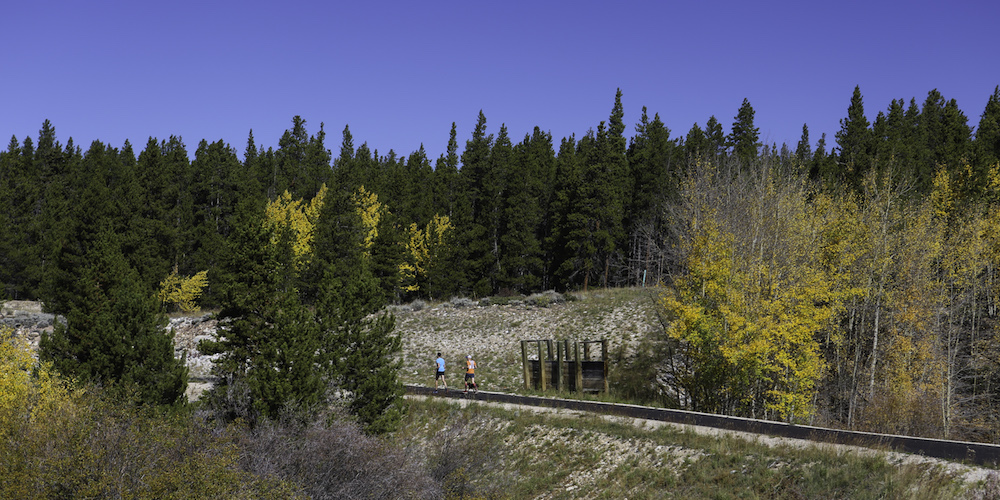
<point>470,374</point>
<point>439,364</point>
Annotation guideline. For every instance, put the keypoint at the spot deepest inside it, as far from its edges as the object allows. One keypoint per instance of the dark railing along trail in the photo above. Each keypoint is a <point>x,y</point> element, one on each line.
<point>979,453</point>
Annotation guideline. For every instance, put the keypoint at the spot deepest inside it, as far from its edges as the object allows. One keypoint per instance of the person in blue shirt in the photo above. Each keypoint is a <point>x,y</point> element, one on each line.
<point>439,362</point>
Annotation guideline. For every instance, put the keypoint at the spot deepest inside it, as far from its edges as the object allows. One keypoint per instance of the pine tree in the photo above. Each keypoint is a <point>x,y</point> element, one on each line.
<point>345,170</point>
<point>364,348</point>
<point>524,207</point>
<point>569,245</point>
<point>219,182</point>
<point>272,357</point>
<point>417,192</point>
<point>359,339</point>
<point>302,161</point>
<point>654,161</point>
<point>696,144</point>
<point>954,150</point>
<point>114,332</point>
<point>168,212</point>
<point>451,200</point>
<point>987,142</point>
<point>18,245</point>
<point>745,137</point>
<point>86,203</point>
<point>823,164</point>
<point>472,204</point>
<point>608,188</point>
<point>492,215</point>
<point>855,142</point>
<point>715,139</point>
<point>803,150</point>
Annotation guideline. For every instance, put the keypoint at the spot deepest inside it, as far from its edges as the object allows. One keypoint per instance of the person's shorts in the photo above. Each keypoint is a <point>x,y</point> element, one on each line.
<point>439,375</point>
<point>470,376</point>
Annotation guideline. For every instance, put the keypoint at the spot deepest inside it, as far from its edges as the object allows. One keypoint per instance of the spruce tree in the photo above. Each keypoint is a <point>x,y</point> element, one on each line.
<point>803,150</point>
<point>654,161</point>
<point>524,206</point>
<point>696,144</point>
<point>605,192</point>
<point>855,143</point>
<point>358,338</point>
<point>987,141</point>
<point>272,359</point>
<point>745,137</point>
<point>451,199</point>
<point>219,182</point>
<point>473,208</point>
<point>570,247</point>
<point>114,334</point>
<point>715,138</point>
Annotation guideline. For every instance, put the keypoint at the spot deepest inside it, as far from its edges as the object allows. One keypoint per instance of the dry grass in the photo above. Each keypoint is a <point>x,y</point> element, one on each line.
<point>492,334</point>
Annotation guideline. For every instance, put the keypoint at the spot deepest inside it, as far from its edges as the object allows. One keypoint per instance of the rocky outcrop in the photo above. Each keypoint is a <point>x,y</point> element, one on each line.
<point>28,320</point>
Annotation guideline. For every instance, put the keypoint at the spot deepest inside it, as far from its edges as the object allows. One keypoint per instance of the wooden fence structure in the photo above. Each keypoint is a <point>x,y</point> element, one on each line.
<point>559,367</point>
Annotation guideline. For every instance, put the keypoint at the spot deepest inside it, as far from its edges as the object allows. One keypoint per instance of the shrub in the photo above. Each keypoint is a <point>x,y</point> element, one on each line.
<point>460,302</point>
<point>544,299</point>
<point>331,457</point>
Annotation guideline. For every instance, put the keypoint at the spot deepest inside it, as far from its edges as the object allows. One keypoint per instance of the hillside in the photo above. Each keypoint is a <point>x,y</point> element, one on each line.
<point>512,452</point>
<point>492,333</point>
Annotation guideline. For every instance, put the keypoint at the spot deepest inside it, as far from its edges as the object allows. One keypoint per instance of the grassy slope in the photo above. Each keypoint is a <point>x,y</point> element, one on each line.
<point>492,334</point>
<point>511,453</point>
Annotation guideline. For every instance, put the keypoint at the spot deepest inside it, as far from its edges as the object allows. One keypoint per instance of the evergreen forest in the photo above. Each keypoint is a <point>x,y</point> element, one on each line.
<point>851,280</point>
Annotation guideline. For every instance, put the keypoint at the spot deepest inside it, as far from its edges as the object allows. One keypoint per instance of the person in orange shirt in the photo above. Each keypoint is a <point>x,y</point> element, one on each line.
<point>470,374</point>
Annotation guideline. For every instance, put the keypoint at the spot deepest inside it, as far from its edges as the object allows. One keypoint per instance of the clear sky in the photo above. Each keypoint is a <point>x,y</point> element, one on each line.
<point>400,72</point>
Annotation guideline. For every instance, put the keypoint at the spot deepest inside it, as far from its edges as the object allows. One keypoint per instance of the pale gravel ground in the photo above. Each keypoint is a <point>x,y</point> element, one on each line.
<point>615,451</point>
<point>493,335</point>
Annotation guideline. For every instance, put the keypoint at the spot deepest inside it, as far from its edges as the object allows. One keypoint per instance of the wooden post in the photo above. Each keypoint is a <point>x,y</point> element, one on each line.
<point>579,368</point>
<point>566,358</point>
<point>525,365</point>
<point>541,368</point>
<point>560,383</point>
<point>604,361</point>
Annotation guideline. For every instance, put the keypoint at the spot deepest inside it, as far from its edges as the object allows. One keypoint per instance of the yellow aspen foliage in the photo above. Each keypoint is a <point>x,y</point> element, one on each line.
<point>416,249</point>
<point>423,249</point>
<point>297,217</point>
<point>942,194</point>
<point>183,291</point>
<point>371,212</point>
<point>993,183</point>
<point>29,391</point>
<point>15,378</point>
<point>757,298</point>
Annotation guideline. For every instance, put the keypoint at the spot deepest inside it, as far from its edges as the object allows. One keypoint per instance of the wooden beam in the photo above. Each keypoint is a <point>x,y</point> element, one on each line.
<point>525,365</point>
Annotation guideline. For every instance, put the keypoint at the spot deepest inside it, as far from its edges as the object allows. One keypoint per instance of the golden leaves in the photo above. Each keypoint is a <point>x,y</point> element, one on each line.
<point>423,248</point>
<point>297,217</point>
<point>182,291</point>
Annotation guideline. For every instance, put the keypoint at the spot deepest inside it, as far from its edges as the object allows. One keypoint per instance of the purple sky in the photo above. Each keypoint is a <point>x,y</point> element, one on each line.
<point>399,73</point>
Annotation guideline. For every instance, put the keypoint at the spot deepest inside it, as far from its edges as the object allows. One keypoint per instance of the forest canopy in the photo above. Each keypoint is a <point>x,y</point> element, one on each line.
<point>851,279</point>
